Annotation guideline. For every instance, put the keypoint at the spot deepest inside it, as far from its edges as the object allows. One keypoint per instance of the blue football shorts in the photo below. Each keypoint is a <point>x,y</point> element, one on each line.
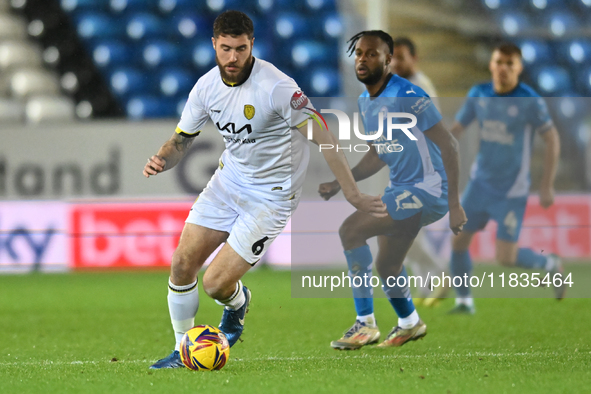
<point>406,201</point>
<point>481,205</point>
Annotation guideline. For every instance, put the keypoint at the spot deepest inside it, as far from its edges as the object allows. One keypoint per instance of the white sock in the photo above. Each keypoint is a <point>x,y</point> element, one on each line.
<point>369,320</point>
<point>468,301</point>
<point>409,321</point>
<point>183,302</point>
<point>236,300</point>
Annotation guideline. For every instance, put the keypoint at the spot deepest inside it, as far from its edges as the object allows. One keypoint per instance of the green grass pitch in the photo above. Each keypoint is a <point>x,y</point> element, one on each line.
<point>99,332</point>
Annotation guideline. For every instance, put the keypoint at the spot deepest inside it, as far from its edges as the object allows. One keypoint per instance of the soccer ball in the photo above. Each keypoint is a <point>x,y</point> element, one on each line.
<point>204,348</point>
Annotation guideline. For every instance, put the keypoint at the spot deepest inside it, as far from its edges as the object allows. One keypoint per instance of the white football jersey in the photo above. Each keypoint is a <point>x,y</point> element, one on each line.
<point>257,119</point>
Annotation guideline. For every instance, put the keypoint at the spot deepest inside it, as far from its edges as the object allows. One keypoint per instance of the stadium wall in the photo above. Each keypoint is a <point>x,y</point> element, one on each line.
<point>73,197</point>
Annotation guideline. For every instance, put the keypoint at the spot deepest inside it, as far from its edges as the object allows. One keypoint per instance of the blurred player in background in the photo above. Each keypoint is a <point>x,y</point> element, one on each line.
<point>422,259</point>
<point>250,198</point>
<point>423,184</point>
<point>405,64</point>
<point>509,114</point>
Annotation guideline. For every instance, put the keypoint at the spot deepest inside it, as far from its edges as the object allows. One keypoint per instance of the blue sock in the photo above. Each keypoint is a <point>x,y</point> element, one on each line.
<point>461,264</point>
<point>527,258</point>
<point>359,261</point>
<point>399,296</point>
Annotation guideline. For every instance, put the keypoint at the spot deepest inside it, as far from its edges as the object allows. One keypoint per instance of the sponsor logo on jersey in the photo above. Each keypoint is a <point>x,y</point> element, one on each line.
<point>231,128</point>
<point>421,105</point>
<point>249,111</point>
<point>241,141</point>
<point>298,100</point>
<point>496,131</point>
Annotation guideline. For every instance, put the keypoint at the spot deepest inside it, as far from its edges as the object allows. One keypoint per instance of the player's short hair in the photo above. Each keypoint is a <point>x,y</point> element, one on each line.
<point>233,23</point>
<point>508,48</point>
<point>406,42</point>
<point>374,33</point>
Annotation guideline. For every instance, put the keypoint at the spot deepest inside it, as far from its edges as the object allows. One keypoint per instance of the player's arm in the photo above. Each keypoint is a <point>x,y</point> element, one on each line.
<point>466,114</point>
<point>369,164</point>
<point>551,156</point>
<point>172,151</point>
<point>340,168</point>
<point>457,129</point>
<point>169,154</point>
<point>451,161</point>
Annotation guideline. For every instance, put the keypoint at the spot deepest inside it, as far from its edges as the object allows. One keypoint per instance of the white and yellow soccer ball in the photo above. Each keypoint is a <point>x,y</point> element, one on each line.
<point>204,348</point>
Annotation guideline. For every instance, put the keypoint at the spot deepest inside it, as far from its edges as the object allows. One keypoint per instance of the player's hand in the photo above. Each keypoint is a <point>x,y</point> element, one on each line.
<point>546,197</point>
<point>369,204</point>
<point>329,189</point>
<point>457,219</point>
<point>154,166</point>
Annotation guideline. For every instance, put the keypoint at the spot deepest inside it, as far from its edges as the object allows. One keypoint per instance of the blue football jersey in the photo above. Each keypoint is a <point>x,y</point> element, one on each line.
<point>412,162</point>
<point>508,124</point>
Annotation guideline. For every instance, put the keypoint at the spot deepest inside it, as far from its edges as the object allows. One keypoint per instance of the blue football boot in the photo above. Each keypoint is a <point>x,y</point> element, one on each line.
<point>232,323</point>
<point>172,361</point>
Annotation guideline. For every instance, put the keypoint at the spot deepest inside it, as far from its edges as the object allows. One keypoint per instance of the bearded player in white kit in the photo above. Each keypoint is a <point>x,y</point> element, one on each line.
<point>261,115</point>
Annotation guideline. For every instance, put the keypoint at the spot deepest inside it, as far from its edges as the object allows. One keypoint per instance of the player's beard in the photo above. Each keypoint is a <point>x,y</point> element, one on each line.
<point>372,77</point>
<point>235,78</point>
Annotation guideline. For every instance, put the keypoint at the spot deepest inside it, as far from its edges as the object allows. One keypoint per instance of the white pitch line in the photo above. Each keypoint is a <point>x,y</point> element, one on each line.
<point>336,358</point>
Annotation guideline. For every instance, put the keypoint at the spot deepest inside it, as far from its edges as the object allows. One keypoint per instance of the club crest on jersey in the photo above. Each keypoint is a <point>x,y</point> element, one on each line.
<point>299,100</point>
<point>249,111</point>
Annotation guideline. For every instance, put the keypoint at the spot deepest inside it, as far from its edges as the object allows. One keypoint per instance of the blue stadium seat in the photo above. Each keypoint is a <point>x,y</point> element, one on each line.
<point>262,49</point>
<point>148,107</point>
<point>514,23</point>
<point>583,79</point>
<point>543,5</point>
<point>174,82</point>
<point>535,52</point>
<point>561,23</point>
<point>288,26</point>
<point>159,53</point>
<point>218,6</point>
<point>174,6</point>
<point>577,52</point>
<point>307,53</point>
<point>202,55</point>
<point>151,52</point>
<point>190,25</point>
<point>320,5</point>
<point>72,6</point>
<point>582,5</point>
<point>128,81</point>
<point>264,7</point>
<point>109,54</point>
<point>120,6</point>
<point>552,80</point>
<point>144,25</point>
<point>331,27</point>
<point>324,82</point>
<point>95,25</point>
<point>504,5</point>
<point>291,5</point>
<point>263,27</point>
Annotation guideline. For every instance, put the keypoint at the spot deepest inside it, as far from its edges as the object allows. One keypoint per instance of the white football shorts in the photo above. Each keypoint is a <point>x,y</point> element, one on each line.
<point>253,222</point>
